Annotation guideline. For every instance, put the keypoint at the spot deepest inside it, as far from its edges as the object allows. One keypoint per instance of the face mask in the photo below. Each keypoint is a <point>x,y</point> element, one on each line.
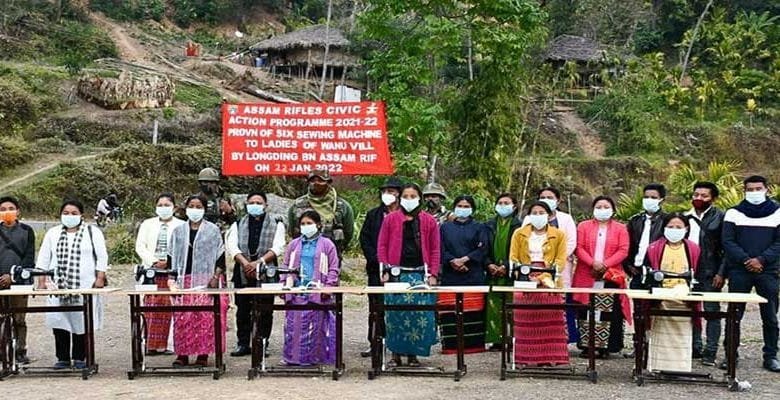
<point>433,203</point>
<point>462,212</point>
<point>309,230</point>
<point>538,221</point>
<point>206,188</point>
<point>318,188</point>
<point>195,214</point>
<point>602,214</point>
<point>700,204</point>
<point>410,204</point>
<point>8,217</point>
<point>388,198</point>
<point>552,203</point>
<point>755,198</point>
<point>255,210</point>
<point>164,212</point>
<point>504,210</point>
<point>651,205</point>
<point>674,235</point>
<point>70,221</point>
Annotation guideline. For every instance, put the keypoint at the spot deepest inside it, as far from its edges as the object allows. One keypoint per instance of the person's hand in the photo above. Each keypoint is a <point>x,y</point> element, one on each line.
<point>597,274</point>
<point>250,269</point>
<point>492,269</point>
<point>456,263</point>
<point>324,296</point>
<point>599,266</point>
<point>385,277</point>
<point>100,282</point>
<point>635,271</point>
<point>754,265</point>
<point>214,282</point>
<point>432,281</point>
<point>501,271</point>
<point>5,281</point>
<point>717,282</point>
<point>162,264</point>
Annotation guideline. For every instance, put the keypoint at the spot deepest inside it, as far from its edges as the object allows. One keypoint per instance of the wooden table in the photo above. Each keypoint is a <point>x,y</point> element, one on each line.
<point>259,365</point>
<point>138,331</point>
<point>553,371</point>
<point>8,342</point>
<point>378,366</point>
<point>645,311</point>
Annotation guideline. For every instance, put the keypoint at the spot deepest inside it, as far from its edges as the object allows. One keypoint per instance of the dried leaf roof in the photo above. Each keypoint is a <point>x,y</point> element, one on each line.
<point>574,48</point>
<point>311,36</point>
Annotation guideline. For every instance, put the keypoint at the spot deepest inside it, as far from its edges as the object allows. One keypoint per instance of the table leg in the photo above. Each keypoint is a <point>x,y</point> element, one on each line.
<point>732,327</point>
<point>639,342</point>
<point>460,333</point>
<point>135,333</point>
<point>592,333</point>
<point>339,335</point>
<point>504,335</point>
<point>257,339</point>
<point>89,321</point>
<point>217,310</point>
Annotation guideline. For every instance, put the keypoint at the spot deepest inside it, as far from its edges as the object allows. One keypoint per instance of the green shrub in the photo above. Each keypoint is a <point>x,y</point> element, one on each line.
<point>14,151</point>
<point>17,108</point>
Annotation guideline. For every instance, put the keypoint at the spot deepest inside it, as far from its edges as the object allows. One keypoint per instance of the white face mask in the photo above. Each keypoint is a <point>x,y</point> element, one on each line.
<point>195,214</point>
<point>602,214</point>
<point>255,210</point>
<point>552,203</point>
<point>70,221</point>
<point>651,205</point>
<point>504,210</point>
<point>755,198</point>
<point>410,204</point>
<point>538,221</point>
<point>388,198</point>
<point>164,212</point>
<point>309,230</point>
<point>674,235</point>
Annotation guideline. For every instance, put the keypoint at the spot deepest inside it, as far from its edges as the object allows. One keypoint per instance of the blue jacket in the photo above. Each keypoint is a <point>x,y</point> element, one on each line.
<point>460,239</point>
<point>752,231</point>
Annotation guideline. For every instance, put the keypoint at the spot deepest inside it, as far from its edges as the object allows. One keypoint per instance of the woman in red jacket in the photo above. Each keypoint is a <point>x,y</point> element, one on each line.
<point>602,244</point>
<point>671,338</point>
<point>410,237</point>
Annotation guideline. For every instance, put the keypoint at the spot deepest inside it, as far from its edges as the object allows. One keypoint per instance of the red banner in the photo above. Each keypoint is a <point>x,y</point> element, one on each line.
<point>292,139</point>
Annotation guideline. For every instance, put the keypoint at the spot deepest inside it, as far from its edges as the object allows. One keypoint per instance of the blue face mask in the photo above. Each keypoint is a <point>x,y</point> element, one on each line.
<point>462,212</point>
<point>255,210</point>
<point>504,210</point>
<point>70,221</point>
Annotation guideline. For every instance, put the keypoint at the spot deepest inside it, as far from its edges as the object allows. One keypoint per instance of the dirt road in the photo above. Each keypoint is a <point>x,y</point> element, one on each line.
<point>481,382</point>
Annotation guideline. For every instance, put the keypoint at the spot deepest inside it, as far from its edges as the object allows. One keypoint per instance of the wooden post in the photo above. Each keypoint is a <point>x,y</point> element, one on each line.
<point>154,132</point>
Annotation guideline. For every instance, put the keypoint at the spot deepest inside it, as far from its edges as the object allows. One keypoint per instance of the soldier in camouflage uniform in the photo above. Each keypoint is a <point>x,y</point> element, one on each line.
<point>219,209</point>
<point>434,196</point>
<point>338,220</point>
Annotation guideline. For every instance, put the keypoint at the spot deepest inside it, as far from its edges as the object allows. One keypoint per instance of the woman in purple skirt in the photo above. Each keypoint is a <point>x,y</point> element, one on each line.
<point>310,335</point>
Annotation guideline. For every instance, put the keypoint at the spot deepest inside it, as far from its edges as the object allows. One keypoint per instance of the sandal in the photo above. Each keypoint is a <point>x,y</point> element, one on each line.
<point>181,361</point>
<point>413,362</point>
<point>395,361</point>
<point>201,361</point>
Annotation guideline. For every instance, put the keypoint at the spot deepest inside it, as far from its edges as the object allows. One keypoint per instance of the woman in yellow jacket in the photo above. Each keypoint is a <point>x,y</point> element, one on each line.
<point>540,335</point>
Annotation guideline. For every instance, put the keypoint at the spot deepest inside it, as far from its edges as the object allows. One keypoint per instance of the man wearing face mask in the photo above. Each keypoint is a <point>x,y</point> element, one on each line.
<point>644,228</point>
<point>17,247</point>
<point>369,234</point>
<point>151,246</point>
<point>434,196</point>
<point>338,220</point>
<point>751,240</point>
<point>706,223</point>
<point>219,209</point>
<point>255,240</point>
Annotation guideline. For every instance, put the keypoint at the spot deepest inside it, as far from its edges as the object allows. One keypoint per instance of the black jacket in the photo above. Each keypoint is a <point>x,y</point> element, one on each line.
<point>491,232</point>
<point>635,227</point>
<point>22,239</point>
<point>711,258</point>
<point>369,235</point>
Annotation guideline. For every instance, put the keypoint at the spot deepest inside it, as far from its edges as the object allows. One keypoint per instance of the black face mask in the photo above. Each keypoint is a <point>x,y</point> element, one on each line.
<point>206,188</point>
<point>318,188</point>
<point>433,203</point>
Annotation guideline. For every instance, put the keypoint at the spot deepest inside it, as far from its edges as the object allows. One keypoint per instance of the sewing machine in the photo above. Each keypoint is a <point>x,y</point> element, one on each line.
<point>521,274</point>
<point>24,277</point>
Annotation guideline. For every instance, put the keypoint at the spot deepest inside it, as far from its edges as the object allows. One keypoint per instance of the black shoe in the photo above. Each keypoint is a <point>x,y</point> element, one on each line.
<point>708,360</point>
<point>696,354</point>
<point>366,353</point>
<point>772,365</point>
<point>22,359</point>
<point>241,351</point>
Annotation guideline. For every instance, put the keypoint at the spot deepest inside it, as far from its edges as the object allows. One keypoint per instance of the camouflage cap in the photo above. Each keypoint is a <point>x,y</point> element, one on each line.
<point>320,173</point>
<point>434,188</point>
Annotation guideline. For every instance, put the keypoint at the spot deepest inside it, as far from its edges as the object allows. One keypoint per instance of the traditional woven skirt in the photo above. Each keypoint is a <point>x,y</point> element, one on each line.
<point>158,324</point>
<point>473,323</point>
<point>540,335</point>
<point>309,335</point>
<point>670,341</point>
<point>193,332</point>
<point>410,332</point>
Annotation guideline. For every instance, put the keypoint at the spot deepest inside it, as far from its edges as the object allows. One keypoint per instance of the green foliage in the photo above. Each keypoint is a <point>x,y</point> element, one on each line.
<point>198,97</point>
<point>120,239</point>
<point>13,151</point>
<point>126,10</point>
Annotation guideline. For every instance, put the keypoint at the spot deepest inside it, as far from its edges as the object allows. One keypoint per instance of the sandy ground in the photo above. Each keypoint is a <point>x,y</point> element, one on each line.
<point>481,382</point>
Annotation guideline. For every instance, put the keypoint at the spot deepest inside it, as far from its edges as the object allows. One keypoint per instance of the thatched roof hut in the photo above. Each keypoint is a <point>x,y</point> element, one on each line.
<point>305,38</point>
<point>574,48</point>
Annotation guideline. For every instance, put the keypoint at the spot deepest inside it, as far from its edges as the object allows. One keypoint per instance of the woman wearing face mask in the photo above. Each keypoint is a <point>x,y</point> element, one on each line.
<point>500,230</point>
<point>540,335</point>
<point>77,254</point>
<point>410,237</point>
<point>197,253</point>
<point>671,338</point>
<point>151,246</point>
<point>309,335</point>
<point>602,245</point>
<point>463,253</point>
